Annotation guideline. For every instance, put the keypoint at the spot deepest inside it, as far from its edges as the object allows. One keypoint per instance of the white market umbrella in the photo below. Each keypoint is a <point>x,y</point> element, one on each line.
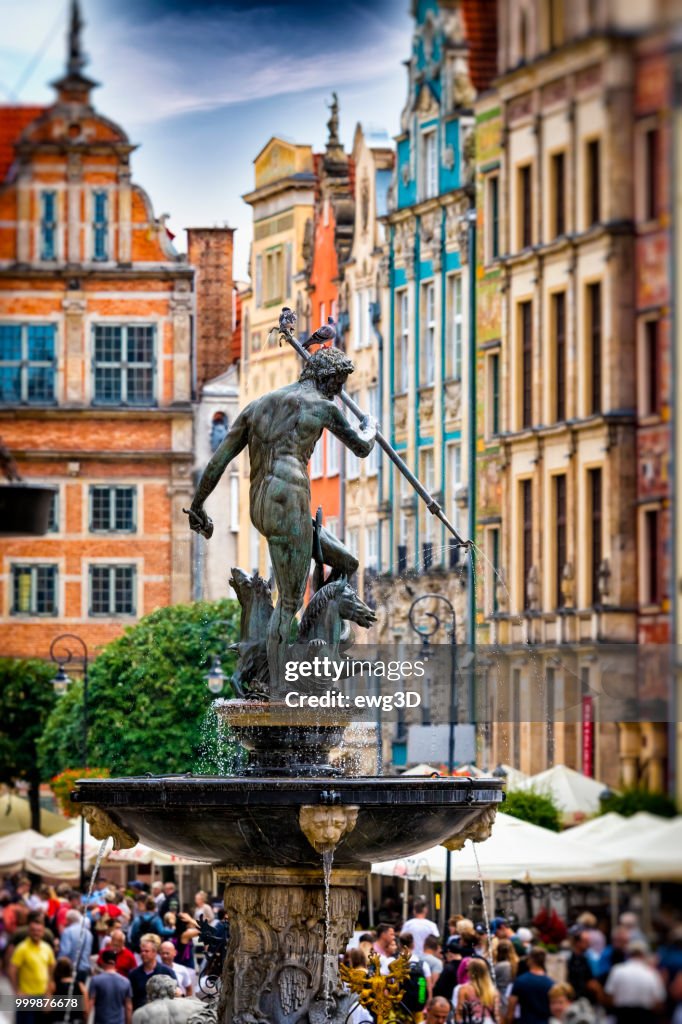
<point>600,829</point>
<point>651,852</point>
<point>576,795</point>
<point>516,851</point>
<point>65,847</point>
<point>14,849</point>
<point>143,854</point>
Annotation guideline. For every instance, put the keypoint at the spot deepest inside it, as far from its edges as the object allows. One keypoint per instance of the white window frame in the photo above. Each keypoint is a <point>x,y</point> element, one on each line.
<point>333,454</point>
<point>122,364</point>
<point>456,325</point>
<point>454,477</point>
<point>429,162</point>
<point>113,569</point>
<point>33,568</point>
<point>372,547</point>
<point>403,341</point>
<point>428,354</point>
<point>317,461</point>
<point>24,363</point>
<point>234,502</point>
<point>373,410</point>
<point>112,489</point>
<point>352,460</point>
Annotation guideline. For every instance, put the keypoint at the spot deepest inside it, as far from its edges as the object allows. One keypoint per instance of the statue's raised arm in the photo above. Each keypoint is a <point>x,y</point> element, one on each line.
<point>232,444</point>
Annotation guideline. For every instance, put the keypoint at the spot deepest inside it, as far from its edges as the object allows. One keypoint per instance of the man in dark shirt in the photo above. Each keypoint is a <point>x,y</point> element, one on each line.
<point>148,968</point>
<point>580,976</point>
<point>530,992</point>
<point>447,979</point>
<point>110,994</point>
<point>171,901</point>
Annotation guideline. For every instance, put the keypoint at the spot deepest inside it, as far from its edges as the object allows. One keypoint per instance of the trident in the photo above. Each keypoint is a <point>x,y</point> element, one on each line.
<point>286,323</point>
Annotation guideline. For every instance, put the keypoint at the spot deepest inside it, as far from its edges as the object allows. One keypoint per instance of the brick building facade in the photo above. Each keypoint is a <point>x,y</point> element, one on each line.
<point>95,375</point>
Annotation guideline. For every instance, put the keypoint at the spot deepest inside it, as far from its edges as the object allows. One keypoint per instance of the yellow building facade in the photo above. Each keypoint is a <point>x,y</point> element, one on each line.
<point>282,202</point>
<point>365,301</point>
<point>557,480</point>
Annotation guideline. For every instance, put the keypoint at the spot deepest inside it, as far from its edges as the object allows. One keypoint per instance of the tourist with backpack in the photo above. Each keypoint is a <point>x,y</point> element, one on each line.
<point>419,983</point>
<point>148,923</point>
<point>477,999</point>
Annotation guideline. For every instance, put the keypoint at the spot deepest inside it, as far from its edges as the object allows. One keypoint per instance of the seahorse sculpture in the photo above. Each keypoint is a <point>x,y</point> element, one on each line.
<point>326,621</point>
<point>251,677</point>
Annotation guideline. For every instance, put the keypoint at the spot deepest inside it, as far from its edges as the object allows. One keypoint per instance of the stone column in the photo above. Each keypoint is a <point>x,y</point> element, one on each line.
<point>74,305</point>
<point>124,216</point>
<point>74,197</point>
<point>180,307</point>
<point>276,971</point>
<point>23,219</point>
<point>630,744</point>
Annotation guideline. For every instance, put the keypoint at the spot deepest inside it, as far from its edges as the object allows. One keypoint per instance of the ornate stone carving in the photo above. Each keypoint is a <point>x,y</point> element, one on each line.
<point>478,831</point>
<point>428,229</point>
<point>324,827</point>
<point>400,415</point>
<point>102,826</point>
<point>364,203</point>
<point>568,585</point>
<point>463,92</point>
<point>453,401</point>
<point>426,406</point>
<point>276,969</point>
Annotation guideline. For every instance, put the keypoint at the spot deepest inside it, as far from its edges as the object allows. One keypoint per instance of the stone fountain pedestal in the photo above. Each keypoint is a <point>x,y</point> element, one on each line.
<point>276,970</point>
<point>272,840</point>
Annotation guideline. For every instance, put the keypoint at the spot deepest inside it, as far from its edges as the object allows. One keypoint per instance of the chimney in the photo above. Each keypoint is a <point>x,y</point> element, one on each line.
<point>210,253</point>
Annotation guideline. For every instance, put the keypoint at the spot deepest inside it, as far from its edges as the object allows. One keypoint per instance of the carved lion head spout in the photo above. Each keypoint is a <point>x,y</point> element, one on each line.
<point>102,826</point>
<point>478,831</point>
<point>324,827</point>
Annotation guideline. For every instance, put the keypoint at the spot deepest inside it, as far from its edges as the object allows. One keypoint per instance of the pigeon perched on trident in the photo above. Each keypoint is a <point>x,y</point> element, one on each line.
<point>325,333</point>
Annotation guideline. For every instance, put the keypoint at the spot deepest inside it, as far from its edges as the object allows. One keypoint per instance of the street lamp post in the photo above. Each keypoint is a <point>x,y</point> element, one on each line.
<point>62,654</point>
<point>215,677</point>
<point>425,630</point>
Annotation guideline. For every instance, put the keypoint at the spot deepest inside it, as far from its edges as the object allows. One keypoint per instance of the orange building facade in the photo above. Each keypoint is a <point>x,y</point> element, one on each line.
<point>95,375</point>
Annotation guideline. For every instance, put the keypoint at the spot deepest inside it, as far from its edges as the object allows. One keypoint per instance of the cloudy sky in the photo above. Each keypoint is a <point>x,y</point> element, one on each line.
<point>201,85</point>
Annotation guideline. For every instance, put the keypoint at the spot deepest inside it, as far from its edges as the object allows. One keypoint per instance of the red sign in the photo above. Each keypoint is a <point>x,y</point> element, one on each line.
<point>588,736</point>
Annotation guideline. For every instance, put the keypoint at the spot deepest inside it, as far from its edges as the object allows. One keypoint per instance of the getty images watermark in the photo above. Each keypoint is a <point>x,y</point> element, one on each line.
<point>326,669</point>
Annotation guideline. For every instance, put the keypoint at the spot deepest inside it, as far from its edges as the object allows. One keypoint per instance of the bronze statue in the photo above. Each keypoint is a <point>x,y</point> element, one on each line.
<point>281,429</point>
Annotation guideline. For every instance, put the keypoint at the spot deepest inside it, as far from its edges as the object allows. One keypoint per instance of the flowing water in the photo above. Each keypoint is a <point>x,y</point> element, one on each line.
<point>81,943</point>
<point>484,902</point>
<point>328,956</point>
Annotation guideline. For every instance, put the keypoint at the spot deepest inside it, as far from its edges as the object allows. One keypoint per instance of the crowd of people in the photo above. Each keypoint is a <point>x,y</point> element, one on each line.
<point>105,948</point>
<point>99,950</point>
<point>477,974</point>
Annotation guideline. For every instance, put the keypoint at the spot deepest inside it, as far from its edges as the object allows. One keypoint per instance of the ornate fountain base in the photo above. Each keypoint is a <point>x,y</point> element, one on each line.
<point>276,971</point>
<point>285,742</point>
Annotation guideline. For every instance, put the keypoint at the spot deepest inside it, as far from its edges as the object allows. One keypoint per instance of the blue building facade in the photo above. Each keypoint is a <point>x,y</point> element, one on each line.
<point>428,356</point>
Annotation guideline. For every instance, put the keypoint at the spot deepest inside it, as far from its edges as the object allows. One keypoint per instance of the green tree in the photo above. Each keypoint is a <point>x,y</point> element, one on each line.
<point>631,801</point>
<point>26,698</point>
<point>149,706</point>
<point>537,808</point>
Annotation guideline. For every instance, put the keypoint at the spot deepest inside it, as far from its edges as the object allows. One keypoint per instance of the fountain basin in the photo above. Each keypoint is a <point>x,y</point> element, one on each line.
<point>245,821</point>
